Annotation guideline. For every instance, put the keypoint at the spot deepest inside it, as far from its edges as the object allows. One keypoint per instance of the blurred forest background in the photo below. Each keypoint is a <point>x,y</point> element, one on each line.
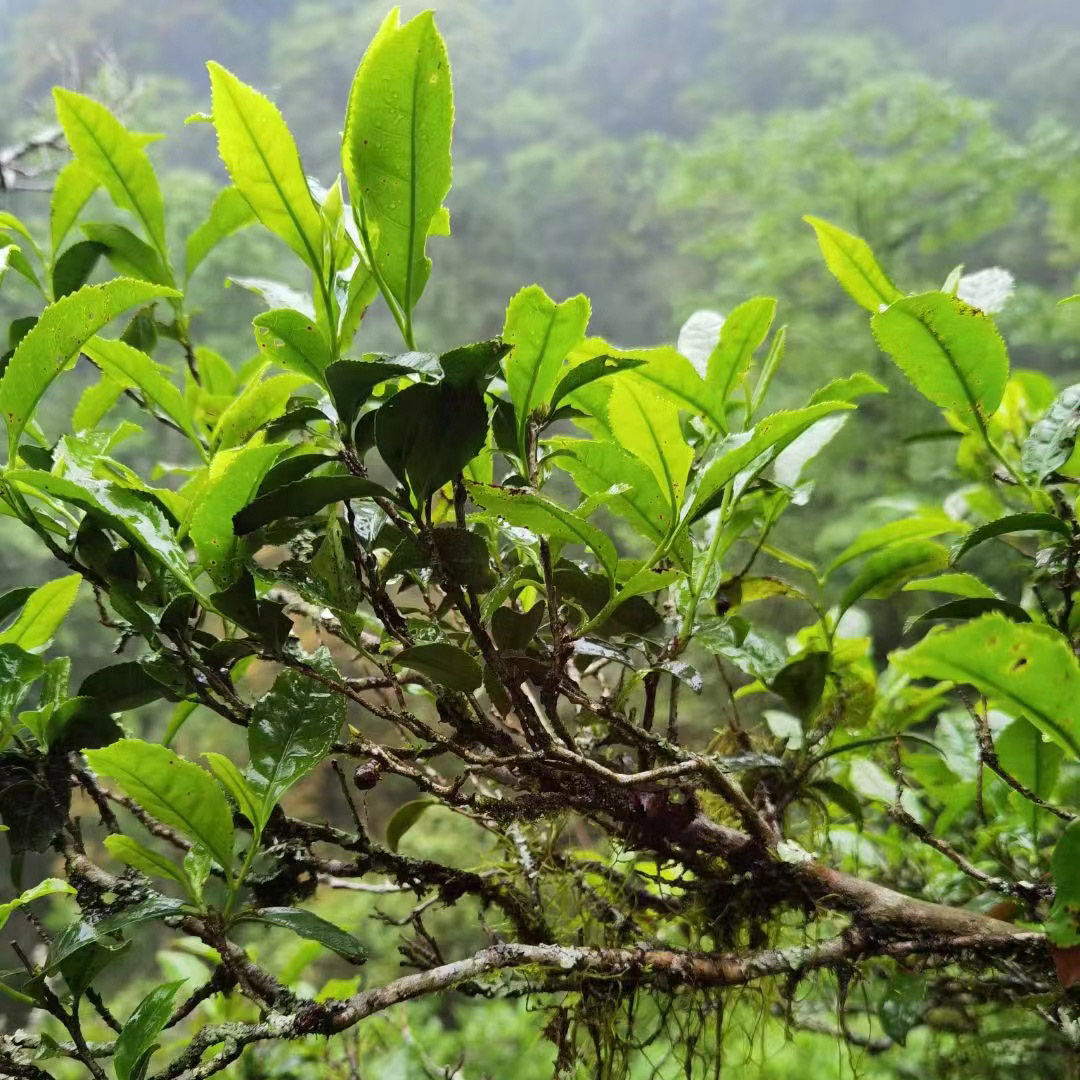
<point>658,157</point>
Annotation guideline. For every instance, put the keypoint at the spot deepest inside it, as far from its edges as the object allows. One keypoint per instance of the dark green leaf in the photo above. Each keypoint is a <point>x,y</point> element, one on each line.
<point>1014,523</point>
<point>135,1043</point>
<point>292,728</point>
<point>445,664</point>
<point>301,498</point>
<point>428,434</point>
<point>308,925</point>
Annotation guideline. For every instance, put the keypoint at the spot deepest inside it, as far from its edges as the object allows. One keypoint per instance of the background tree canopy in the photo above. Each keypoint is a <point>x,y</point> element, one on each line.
<point>631,664</point>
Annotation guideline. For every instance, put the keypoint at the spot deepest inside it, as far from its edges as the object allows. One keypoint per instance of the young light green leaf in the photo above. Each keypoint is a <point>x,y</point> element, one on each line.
<point>135,1043</point>
<point>756,449</point>
<point>951,352</point>
<point>115,158</point>
<point>139,519</point>
<point>773,359</point>
<point>854,266</point>
<point>292,729</point>
<point>45,609</point>
<point>396,153</point>
<point>229,212</point>
<point>445,664</point>
<point>74,185</point>
<point>886,570</point>
<point>262,159</point>
<point>626,485</point>
<point>173,790</point>
<point>743,331</point>
<point>48,887</point>
<point>234,477</point>
<point>545,518</point>
<point>848,388</point>
<point>143,859</point>
<point>928,524</point>
<point>955,584</point>
<point>1026,669</point>
<point>541,334</point>
<point>1035,761</point>
<point>130,367</point>
<point>64,327</point>
<point>648,426</point>
<point>294,341</point>
<point>129,255</point>
<point>261,400</point>
<point>247,799</point>
<point>404,818</point>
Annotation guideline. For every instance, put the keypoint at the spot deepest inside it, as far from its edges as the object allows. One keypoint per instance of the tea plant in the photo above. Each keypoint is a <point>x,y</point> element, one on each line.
<point>500,573</point>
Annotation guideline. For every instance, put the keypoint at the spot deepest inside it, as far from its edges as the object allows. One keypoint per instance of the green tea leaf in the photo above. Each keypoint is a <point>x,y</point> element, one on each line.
<point>303,498</point>
<point>968,607</point>
<point>291,339</point>
<point>648,426</point>
<point>260,401</point>
<point>229,212</point>
<point>136,517</point>
<point>1051,440</point>
<point>753,450</point>
<point>234,477</point>
<point>248,800</point>
<point>312,927</point>
<point>1026,669</point>
<point>405,817</point>
<point>625,484</point>
<point>545,518</point>
<point>135,1043</point>
<point>264,164</point>
<point>115,158</point>
<point>130,367</point>
<point>445,664</point>
<point>41,616</point>
<point>48,887</point>
<point>957,584</point>
<point>1013,523</point>
<point>596,367</point>
<point>848,388</point>
<point>951,352</point>
<point>129,255</point>
<point>292,729</point>
<point>143,859</point>
<point>171,789</point>
<point>886,570</point>
<point>742,333</point>
<point>542,334</point>
<point>1035,761</point>
<point>74,267</point>
<point>64,327</point>
<point>428,434</point>
<point>926,525</point>
<point>854,266</point>
<point>396,152</point>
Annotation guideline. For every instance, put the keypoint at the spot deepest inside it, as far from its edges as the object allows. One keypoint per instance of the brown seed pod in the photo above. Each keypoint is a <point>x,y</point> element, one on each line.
<point>367,775</point>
